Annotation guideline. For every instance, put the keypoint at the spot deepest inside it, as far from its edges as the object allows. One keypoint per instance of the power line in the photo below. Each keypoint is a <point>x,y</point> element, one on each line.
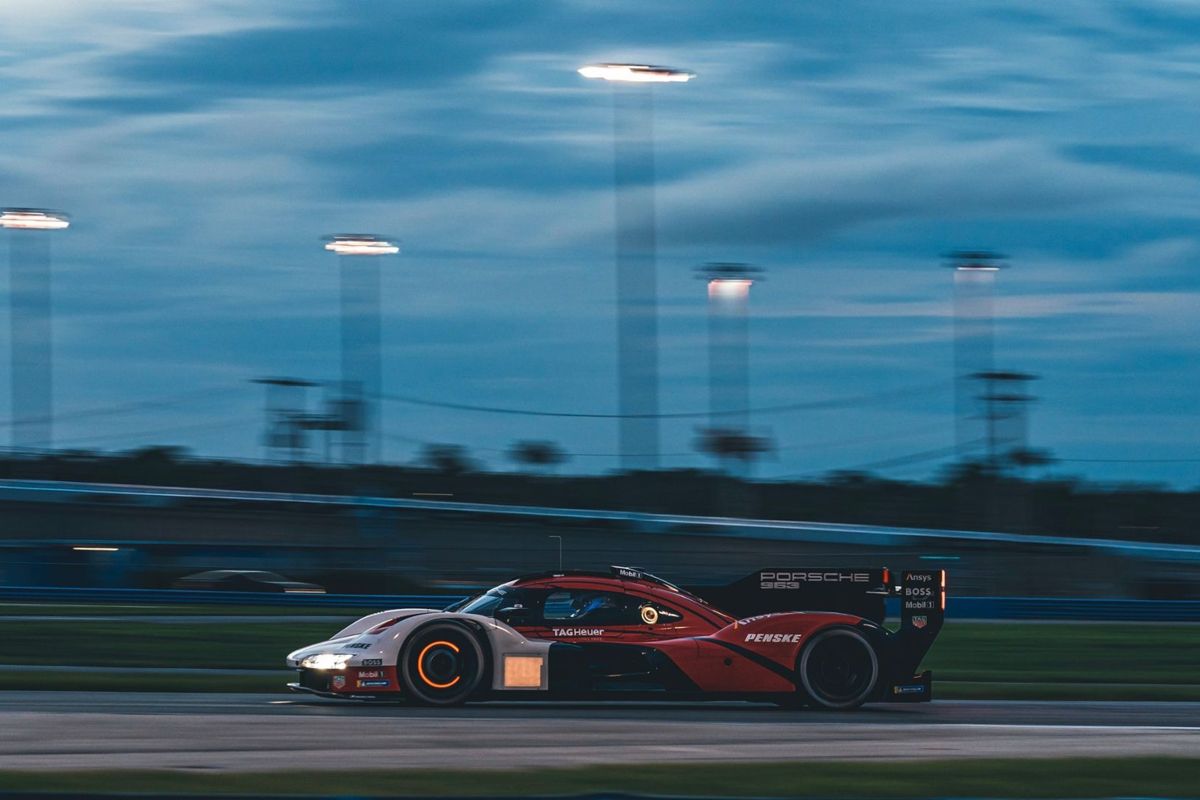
<point>814,405</point>
<point>916,458</point>
<point>200,426</point>
<point>1128,460</point>
<point>900,461</point>
<point>897,461</point>
<point>139,405</point>
<point>834,443</point>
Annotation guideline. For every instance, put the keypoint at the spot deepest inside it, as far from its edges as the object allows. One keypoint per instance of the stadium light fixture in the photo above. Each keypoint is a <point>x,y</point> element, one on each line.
<point>33,219</point>
<point>360,244</point>
<point>636,73</point>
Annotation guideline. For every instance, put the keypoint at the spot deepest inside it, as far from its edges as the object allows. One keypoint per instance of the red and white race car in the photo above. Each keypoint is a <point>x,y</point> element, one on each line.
<point>798,636</point>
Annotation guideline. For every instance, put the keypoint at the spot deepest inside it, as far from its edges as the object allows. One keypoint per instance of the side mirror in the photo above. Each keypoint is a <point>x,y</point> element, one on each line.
<point>515,615</point>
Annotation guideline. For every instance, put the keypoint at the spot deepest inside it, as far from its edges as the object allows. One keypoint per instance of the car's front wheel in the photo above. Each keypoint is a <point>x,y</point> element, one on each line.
<point>441,664</point>
<point>838,669</point>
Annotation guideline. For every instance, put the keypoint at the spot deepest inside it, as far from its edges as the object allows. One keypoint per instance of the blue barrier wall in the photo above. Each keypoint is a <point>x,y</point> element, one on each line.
<point>987,608</point>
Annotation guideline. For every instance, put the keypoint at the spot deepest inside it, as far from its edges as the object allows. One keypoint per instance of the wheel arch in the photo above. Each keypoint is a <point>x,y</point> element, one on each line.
<point>469,628</point>
<point>873,636</point>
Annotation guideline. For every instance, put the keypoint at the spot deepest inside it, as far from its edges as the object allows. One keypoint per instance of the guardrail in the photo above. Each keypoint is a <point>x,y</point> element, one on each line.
<point>1073,608</point>
<point>987,608</point>
<point>651,524</point>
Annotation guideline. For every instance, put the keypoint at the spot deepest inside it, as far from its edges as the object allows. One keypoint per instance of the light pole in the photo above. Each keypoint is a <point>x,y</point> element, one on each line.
<point>729,359</point>
<point>974,295</point>
<point>32,353</point>
<point>637,318</point>
<point>361,342</point>
<point>728,341</point>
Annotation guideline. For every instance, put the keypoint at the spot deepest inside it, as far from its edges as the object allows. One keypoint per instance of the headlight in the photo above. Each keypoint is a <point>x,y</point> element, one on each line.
<point>335,661</point>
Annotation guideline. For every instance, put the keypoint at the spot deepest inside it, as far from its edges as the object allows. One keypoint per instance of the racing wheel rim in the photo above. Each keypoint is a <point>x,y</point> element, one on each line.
<point>839,668</point>
<point>441,664</point>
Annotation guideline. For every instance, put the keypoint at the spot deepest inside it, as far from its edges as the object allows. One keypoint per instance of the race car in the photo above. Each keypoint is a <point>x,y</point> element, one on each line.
<point>794,636</point>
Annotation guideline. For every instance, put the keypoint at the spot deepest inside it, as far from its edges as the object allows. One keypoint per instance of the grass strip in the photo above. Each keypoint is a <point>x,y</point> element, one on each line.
<point>42,681</point>
<point>1132,653</point>
<point>976,778</point>
<point>965,652</point>
<point>275,681</point>
<point>236,645</point>
<point>1007,690</point>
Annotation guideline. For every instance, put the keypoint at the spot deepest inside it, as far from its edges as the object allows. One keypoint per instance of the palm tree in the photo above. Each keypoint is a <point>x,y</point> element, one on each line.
<point>537,453</point>
<point>731,444</point>
<point>450,459</point>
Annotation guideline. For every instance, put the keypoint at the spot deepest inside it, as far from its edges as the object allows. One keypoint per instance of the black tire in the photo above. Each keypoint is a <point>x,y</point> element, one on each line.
<point>838,669</point>
<point>441,664</point>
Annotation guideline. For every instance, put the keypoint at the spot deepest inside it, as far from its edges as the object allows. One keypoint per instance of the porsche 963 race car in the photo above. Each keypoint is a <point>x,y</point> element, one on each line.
<point>799,636</point>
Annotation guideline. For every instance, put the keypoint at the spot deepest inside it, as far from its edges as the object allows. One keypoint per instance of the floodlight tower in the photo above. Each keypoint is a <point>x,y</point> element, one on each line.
<point>32,367</point>
<point>974,297</point>
<point>637,318</point>
<point>728,344</point>
<point>361,341</point>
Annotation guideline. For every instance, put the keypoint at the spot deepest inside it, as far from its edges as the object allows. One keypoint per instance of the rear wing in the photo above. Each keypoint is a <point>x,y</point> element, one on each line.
<point>848,590</point>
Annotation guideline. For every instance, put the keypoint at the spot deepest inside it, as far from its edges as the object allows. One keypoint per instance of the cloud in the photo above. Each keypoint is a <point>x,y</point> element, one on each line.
<point>348,44</point>
<point>804,200</point>
<point>203,148</point>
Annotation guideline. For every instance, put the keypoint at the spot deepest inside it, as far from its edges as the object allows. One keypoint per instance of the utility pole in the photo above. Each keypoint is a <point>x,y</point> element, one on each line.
<point>285,434</point>
<point>1005,400</point>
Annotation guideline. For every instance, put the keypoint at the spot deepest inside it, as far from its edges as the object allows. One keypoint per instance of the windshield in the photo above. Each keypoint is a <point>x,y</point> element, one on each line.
<point>484,604</point>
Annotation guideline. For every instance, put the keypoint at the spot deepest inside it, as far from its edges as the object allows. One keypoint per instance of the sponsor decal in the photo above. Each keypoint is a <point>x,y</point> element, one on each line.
<point>773,637</point>
<point>579,632</point>
<point>920,622</point>
<point>370,673</point>
<point>372,662</point>
<point>358,645</point>
<point>794,580</point>
<point>915,688</point>
<point>748,620</point>
<point>339,681</point>
<point>367,684</point>
<point>626,572</point>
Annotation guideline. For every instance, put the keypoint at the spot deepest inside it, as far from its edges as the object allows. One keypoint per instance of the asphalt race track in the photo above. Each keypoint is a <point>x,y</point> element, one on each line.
<point>252,732</point>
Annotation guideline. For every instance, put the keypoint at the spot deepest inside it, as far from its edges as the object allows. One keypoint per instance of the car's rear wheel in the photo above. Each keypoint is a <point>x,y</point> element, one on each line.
<point>838,669</point>
<point>442,664</point>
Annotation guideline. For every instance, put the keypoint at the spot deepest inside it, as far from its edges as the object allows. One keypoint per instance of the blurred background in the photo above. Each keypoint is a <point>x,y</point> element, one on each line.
<point>392,300</point>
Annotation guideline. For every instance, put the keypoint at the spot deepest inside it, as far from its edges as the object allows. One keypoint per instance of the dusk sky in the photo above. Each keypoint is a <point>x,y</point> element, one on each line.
<point>202,151</point>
